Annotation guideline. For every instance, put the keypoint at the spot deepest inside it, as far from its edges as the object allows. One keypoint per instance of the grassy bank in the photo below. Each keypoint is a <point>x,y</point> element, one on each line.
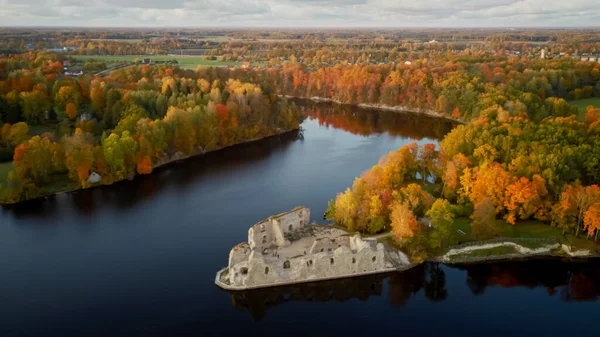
<point>4,169</point>
<point>186,62</point>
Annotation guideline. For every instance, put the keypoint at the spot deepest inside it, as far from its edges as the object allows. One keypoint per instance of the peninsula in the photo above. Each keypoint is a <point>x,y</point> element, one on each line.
<point>287,249</point>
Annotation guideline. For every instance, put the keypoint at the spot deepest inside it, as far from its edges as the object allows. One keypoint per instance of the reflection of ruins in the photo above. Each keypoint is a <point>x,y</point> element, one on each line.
<point>361,121</point>
<point>258,301</point>
<point>570,281</point>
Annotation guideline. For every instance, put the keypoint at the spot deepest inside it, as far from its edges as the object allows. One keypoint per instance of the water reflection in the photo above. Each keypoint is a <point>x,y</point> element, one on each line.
<point>367,122</point>
<point>258,301</point>
<point>574,281</point>
<point>571,281</point>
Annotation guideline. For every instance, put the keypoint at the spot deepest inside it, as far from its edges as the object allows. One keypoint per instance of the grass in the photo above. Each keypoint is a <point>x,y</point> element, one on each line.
<point>463,224</point>
<point>502,250</point>
<point>185,62</point>
<point>582,104</point>
<point>4,169</point>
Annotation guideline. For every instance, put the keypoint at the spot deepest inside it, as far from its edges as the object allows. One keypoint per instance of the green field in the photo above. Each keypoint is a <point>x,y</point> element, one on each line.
<point>186,62</point>
<point>582,104</point>
<point>121,40</point>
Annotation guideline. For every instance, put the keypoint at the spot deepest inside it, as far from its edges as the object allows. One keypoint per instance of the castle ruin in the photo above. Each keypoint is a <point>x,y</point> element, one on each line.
<point>287,249</point>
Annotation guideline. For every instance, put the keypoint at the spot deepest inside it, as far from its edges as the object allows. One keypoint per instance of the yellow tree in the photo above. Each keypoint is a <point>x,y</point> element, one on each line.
<point>403,221</point>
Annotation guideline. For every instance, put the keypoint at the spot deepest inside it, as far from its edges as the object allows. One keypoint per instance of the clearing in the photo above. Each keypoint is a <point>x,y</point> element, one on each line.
<point>582,104</point>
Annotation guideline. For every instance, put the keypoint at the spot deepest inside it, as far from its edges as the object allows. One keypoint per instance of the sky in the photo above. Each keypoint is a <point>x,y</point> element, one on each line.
<point>301,13</point>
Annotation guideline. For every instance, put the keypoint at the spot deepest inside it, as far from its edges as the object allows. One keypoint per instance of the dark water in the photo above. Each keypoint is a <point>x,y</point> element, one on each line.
<point>139,258</point>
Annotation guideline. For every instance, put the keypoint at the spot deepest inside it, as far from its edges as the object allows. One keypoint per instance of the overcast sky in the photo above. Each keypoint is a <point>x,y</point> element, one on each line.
<point>301,13</point>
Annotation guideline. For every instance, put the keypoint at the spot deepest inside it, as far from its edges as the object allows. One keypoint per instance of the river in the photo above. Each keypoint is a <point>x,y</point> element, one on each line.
<point>139,258</point>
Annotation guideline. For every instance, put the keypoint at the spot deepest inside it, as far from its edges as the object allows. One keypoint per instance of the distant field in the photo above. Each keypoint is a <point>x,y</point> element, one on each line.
<point>186,62</point>
<point>582,104</point>
<point>121,40</point>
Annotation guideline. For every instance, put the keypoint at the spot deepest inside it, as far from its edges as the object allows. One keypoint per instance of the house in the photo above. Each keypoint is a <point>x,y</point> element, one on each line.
<point>94,178</point>
<point>66,63</point>
<point>407,63</point>
<point>245,65</point>
<point>146,61</point>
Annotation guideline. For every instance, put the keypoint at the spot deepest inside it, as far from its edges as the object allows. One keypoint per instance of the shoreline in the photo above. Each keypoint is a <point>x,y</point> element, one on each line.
<point>554,251</point>
<point>382,107</point>
<point>163,164</point>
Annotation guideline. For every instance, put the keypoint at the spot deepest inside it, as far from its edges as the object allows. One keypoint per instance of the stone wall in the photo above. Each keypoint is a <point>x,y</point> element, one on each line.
<point>320,252</point>
<point>271,232</point>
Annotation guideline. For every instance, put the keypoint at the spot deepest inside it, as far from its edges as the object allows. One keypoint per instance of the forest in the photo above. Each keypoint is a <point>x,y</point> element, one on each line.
<point>65,133</point>
<point>525,151</point>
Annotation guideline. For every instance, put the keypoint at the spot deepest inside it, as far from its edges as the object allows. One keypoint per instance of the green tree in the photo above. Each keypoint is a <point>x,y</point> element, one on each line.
<point>441,217</point>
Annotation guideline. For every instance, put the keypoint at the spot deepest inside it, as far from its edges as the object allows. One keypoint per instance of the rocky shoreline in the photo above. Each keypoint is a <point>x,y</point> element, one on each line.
<point>285,249</point>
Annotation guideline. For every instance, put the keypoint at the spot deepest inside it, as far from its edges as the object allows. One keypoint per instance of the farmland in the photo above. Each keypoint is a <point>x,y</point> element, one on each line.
<point>186,62</point>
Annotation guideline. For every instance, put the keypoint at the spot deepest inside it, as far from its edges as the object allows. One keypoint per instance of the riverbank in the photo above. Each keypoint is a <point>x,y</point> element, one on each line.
<point>69,186</point>
<point>383,107</point>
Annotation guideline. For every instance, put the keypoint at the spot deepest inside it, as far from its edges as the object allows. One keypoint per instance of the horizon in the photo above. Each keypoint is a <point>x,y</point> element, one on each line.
<point>301,14</point>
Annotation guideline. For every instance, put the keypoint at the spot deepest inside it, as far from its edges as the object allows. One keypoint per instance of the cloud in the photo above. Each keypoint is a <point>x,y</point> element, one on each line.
<point>300,13</point>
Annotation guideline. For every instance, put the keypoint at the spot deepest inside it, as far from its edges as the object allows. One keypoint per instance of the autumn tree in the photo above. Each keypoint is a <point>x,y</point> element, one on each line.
<point>525,198</point>
<point>591,220</point>
<point>403,221</point>
<point>484,219</point>
<point>71,110</point>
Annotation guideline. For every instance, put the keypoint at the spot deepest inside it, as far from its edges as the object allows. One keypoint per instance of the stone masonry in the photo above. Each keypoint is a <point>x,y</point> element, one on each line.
<point>286,248</point>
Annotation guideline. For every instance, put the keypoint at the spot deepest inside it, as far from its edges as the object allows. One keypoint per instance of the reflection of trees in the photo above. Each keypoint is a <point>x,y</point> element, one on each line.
<point>574,281</point>
<point>406,284</point>
<point>258,301</point>
<point>435,283</point>
<point>366,122</point>
<point>429,276</point>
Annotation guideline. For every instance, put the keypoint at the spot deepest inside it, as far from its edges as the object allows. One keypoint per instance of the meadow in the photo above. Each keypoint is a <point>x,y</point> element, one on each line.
<point>185,62</point>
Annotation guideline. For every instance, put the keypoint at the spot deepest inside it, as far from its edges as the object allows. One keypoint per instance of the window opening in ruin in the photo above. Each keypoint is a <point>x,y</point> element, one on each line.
<point>244,271</point>
<point>321,250</point>
<point>353,260</point>
<point>310,262</point>
<point>374,258</point>
<point>265,239</point>
<point>307,264</point>
<point>301,222</point>
<point>265,251</point>
<point>328,249</point>
<point>331,261</point>
<point>286,265</point>
<point>266,270</point>
<point>290,228</point>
